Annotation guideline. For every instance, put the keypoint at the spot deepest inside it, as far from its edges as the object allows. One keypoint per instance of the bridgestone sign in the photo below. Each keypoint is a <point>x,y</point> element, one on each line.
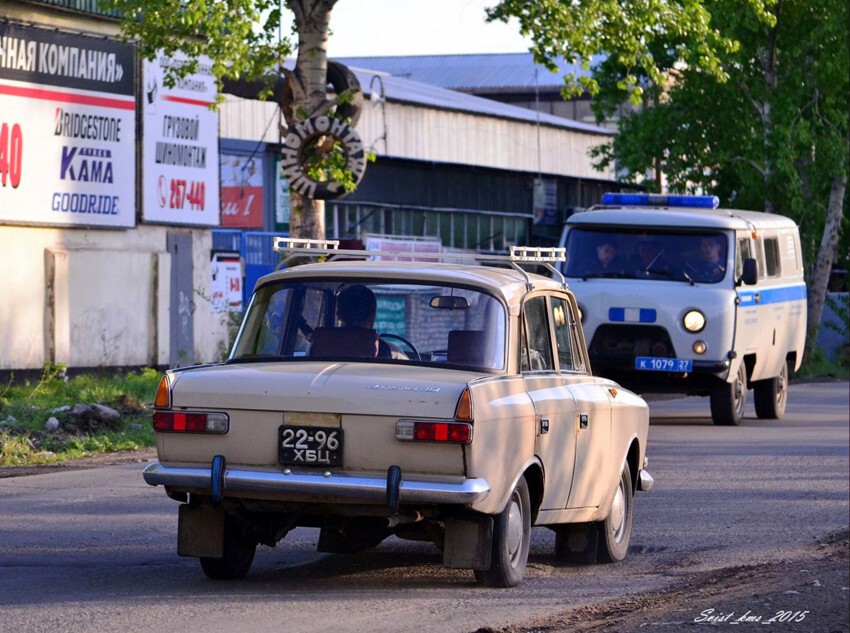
<point>307,133</point>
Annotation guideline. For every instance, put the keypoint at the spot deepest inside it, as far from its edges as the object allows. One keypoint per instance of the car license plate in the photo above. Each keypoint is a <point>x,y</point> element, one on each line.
<point>310,445</point>
<point>653,363</point>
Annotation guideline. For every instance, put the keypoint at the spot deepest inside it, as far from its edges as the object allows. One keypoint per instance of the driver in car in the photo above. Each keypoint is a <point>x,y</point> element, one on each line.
<point>356,307</point>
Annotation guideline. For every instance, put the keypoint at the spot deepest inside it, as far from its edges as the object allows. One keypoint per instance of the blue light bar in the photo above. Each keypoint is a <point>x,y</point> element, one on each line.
<point>660,200</point>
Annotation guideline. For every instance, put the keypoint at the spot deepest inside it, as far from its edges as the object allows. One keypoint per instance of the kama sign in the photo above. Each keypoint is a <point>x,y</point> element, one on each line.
<point>180,168</point>
<point>67,129</point>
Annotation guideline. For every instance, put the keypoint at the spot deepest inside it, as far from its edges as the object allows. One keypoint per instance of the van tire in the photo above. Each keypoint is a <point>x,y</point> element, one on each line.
<point>771,395</point>
<point>728,400</point>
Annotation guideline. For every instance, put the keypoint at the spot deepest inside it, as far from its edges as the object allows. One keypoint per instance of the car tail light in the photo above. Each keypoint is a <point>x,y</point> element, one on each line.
<point>182,422</point>
<point>463,411</point>
<point>433,431</point>
<point>163,394</point>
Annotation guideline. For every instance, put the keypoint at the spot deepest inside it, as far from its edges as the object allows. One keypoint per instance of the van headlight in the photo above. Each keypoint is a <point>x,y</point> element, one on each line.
<point>694,321</point>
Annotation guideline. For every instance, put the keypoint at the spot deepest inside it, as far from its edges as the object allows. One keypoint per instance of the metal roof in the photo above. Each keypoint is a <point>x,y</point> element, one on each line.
<point>401,90</point>
<point>473,73</point>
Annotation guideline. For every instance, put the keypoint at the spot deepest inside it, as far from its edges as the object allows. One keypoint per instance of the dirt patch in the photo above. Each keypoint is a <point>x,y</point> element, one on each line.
<point>92,461</point>
<point>806,593</point>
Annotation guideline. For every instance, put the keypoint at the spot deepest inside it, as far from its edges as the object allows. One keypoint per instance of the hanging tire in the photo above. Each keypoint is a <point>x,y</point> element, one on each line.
<point>341,79</point>
<point>728,400</point>
<point>771,395</point>
<point>615,531</point>
<point>511,537</point>
<point>239,550</point>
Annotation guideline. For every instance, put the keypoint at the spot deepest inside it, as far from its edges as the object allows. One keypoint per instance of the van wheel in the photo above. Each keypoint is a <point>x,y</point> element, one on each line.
<point>239,550</point>
<point>616,530</point>
<point>771,395</point>
<point>729,399</point>
<point>511,536</point>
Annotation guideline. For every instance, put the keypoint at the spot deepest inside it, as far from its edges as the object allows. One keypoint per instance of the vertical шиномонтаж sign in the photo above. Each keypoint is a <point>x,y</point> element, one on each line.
<point>180,170</point>
<point>67,129</point>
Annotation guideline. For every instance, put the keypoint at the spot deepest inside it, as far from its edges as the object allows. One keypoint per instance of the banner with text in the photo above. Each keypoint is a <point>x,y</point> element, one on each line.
<point>67,129</point>
<point>242,191</point>
<point>180,147</point>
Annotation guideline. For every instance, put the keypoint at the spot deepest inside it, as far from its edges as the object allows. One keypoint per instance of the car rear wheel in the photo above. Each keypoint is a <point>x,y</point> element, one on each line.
<point>728,400</point>
<point>771,395</point>
<point>239,550</point>
<point>511,536</point>
<point>616,530</point>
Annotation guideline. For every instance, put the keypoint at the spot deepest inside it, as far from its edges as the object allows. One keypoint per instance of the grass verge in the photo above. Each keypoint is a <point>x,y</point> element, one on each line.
<point>60,418</point>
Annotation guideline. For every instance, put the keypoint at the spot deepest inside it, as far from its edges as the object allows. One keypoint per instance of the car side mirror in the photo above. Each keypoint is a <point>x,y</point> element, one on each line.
<point>751,272</point>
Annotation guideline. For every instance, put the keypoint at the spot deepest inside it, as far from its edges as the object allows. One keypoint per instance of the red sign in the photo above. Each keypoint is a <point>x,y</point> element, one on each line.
<point>241,191</point>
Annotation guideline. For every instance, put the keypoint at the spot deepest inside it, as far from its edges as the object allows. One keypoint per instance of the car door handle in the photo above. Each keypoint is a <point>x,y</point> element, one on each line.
<point>544,426</point>
<point>583,420</point>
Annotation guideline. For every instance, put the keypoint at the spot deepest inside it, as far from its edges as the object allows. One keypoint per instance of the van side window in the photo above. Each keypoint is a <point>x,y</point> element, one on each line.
<point>772,257</point>
<point>744,252</point>
<point>536,344</point>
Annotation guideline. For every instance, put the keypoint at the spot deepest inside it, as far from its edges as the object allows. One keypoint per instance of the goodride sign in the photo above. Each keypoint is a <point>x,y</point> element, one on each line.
<point>67,129</point>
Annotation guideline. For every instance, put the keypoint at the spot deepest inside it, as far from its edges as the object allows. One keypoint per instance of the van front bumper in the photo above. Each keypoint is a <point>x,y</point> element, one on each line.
<point>219,481</point>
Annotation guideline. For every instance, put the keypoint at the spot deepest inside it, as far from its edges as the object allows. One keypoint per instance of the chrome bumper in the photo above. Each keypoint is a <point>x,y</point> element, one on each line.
<point>295,485</point>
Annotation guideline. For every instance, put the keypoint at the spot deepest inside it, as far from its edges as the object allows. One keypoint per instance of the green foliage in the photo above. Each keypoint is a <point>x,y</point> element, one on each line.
<point>26,407</point>
<point>772,137</point>
<point>632,33</point>
<point>241,37</point>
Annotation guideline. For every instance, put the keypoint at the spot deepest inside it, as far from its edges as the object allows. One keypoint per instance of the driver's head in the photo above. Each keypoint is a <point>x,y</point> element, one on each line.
<point>356,306</point>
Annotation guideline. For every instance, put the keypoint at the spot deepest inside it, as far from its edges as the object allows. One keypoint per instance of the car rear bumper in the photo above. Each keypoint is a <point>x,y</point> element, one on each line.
<point>221,481</point>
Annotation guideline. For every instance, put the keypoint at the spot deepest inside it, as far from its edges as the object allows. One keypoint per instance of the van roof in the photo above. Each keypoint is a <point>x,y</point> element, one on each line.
<point>681,216</point>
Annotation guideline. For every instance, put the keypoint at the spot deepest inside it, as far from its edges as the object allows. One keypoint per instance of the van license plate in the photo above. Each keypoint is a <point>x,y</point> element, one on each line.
<point>653,363</point>
<point>310,445</point>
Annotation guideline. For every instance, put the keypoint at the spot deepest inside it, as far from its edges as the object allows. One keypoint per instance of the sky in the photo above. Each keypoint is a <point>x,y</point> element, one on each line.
<point>418,27</point>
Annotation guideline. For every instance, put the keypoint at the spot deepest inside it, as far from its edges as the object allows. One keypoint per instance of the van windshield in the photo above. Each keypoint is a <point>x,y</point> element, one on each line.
<point>373,321</point>
<point>641,253</point>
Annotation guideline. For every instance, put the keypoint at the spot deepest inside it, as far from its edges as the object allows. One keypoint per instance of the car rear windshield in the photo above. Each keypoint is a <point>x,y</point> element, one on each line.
<point>646,253</point>
<point>371,321</point>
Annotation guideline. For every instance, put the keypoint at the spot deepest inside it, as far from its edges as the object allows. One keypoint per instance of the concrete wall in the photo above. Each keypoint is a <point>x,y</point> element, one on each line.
<point>98,298</point>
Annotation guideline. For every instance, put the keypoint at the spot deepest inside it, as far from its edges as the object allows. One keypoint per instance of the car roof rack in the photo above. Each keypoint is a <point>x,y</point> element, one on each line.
<point>544,256</point>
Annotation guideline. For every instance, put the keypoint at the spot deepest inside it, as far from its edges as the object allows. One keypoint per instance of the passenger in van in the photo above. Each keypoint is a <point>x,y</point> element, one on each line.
<point>651,257</point>
<point>711,267</point>
<point>607,260</point>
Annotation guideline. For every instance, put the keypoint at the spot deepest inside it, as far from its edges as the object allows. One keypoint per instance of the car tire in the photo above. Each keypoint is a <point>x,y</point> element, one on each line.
<point>728,400</point>
<point>239,550</point>
<point>771,395</point>
<point>615,531</point>
<point>511,537</point>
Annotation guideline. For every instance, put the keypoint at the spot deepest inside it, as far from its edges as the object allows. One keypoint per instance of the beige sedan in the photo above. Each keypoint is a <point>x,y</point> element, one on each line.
<point>451,402</point>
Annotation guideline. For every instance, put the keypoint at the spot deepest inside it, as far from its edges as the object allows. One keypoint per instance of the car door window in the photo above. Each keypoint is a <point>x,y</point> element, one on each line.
<point>566,343</point>
<point>537,342</point>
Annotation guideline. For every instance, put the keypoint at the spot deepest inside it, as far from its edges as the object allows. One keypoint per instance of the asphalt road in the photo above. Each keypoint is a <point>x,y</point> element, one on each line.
<point>95,550</point>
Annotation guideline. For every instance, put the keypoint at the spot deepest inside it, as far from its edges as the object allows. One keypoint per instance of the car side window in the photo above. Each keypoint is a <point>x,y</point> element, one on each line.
<point>565,342</point>
<point>536,342</point>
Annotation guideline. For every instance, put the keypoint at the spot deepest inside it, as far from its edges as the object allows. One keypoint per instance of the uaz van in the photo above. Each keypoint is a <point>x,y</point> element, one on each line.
<point>679,296</point>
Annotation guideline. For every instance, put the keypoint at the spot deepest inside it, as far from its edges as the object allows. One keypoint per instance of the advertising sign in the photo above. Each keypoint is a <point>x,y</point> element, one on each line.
<point>180,147</point>
<point>67,129</point>
<point>241,191</point>
<point>226,268</point>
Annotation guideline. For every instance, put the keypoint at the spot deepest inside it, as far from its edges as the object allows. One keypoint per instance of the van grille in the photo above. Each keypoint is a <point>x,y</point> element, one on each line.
<point>620,344</point>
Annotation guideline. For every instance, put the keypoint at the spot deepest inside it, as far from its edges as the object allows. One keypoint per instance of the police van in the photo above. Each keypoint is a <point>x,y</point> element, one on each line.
<point>679,296</point>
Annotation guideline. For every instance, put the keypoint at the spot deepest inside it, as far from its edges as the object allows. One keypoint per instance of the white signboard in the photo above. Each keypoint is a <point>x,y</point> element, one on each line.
<point>180,169</point>
<point>226,284</point>
<point>67,129</point>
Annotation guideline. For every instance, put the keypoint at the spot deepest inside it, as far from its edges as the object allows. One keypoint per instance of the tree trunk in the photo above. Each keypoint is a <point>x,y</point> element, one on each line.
<point>312,21</point>
<point>826,257</point>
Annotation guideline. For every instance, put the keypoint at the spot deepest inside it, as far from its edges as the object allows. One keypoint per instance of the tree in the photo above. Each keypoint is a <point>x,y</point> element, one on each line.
<point>773,137</point>
<point>244,40</point>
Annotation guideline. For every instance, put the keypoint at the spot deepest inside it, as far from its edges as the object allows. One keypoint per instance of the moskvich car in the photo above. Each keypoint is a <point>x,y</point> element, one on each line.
<point>450,402</point>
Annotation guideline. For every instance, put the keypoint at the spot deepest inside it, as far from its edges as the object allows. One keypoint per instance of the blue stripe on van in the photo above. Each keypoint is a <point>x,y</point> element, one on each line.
<point>631,315</point>
<point>773,295</point>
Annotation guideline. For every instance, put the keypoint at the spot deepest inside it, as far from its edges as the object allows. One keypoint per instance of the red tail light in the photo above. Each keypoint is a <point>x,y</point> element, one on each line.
<point>436,431</point>
<point>181,422</point>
